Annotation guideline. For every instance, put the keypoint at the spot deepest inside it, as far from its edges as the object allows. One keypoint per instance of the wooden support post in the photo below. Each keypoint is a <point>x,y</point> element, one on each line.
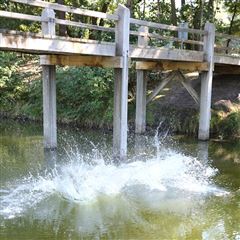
<point>49,86</point>
<point>183,35</point>
<point>189,88</point>
<point>206,83</point>
<point>120,126</point>
<point>160,86</point>
<point>140,122</point>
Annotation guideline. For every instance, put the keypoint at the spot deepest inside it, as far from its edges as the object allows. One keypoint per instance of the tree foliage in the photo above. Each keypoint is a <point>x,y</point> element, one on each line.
<point>86,94</point>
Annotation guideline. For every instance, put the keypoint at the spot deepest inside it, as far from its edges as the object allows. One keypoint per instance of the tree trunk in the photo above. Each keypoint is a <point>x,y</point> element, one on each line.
<point>129,5</point>
<point>211,11</point>
<point>103,8</point>
<point>197,21</point>
<point>144,8</point>
<point>231,23</point>
<point>61,15</point>
<point>159,9</point>
<point>173,13</point>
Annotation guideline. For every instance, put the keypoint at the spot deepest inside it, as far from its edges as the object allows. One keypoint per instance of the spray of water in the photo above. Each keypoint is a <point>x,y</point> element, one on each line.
<point>84,178</point>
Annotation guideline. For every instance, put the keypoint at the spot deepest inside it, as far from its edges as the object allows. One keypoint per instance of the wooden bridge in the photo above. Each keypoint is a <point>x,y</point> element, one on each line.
<point>151,45</point>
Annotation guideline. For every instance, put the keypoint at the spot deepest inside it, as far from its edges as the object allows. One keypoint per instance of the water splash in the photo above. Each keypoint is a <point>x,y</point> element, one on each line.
<point>85,178</point>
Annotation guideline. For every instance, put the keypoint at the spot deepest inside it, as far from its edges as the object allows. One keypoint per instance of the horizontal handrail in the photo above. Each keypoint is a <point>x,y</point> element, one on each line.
<point>227,36</point>
<point>20,16</point>
<point>83,25</point>
<point>165,26</point>
<point>227,48</point>
<point>57,21</point>
<point>63,8</point>
<point>39,35</point>
<point>115,17</point>
<point>154,35</point>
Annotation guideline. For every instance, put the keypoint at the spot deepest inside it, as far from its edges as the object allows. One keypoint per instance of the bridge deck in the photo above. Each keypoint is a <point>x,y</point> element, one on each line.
<point>153,50</point>
<point>38,44</point>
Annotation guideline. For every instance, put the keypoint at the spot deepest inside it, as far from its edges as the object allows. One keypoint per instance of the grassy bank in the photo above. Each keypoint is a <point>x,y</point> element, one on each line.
<point>85,98</point>
<point>224,125</point>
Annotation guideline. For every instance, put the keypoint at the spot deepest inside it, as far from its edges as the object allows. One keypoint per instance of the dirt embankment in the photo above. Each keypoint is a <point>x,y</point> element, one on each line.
<point>180,112</point>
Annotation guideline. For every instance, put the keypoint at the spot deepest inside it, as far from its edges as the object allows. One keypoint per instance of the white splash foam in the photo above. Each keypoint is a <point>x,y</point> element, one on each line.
<point>81,182</point>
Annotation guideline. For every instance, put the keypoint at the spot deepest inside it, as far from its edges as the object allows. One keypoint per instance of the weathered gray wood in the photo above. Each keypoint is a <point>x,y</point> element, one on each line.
<point>160,86</point>
<point>165,54</point>
<point>120,126</point>
<point>20,16</point>
<point>49,107</point>
<point>164,65</point>
<point>230,60</point>
<point>48,22</point>
<point>189,88</point>
<point>226,69</point>
<point>69,9</point>
<point>183,35</point>
<point>227,36</point>
<point>165,26</point>
<point>206,84</point>
<point>140,121</point>
<point>79,60</point>
<point>60,38</point>
<point>53,45</point>
<point>169,38</point>
<point>49,87</point>
<point>84,25</point>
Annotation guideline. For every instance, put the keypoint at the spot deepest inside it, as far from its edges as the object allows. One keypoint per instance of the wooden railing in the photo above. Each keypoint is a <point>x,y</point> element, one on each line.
<point>138,28</point>
<point>227,45</point>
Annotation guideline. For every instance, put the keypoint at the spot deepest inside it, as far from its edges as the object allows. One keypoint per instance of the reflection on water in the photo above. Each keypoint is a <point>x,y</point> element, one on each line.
<point>165,190</point>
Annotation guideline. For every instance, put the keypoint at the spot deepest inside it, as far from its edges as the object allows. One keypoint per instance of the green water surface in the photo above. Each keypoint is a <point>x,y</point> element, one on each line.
<point>175,215</point>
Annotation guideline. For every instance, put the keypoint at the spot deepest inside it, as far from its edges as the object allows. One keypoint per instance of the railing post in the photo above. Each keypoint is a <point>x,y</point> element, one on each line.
<point>140,121</point>
<point>49,86</point>
<point>183,35</point>
<point>206,83</point>
<point>120,126</point>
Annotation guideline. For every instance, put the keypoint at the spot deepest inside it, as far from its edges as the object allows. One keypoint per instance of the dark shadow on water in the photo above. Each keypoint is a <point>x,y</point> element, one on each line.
<point>50,158</point>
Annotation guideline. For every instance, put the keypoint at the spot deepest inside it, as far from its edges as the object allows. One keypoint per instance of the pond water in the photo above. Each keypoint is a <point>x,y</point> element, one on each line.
<point>168,188</point>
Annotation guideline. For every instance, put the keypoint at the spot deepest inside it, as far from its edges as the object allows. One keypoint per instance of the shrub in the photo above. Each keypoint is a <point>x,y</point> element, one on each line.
<point>230,125</point>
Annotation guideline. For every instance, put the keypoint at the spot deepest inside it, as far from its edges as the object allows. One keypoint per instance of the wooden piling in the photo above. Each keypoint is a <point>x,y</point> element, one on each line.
<point>120,126</point>
<point>206,83</point>
<point>140,121</point>
<point>49,86</point>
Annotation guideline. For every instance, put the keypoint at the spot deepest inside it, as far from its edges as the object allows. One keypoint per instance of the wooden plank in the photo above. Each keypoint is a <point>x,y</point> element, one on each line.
<point>20,16</point>
<point>49,107</point>
<point>160,86</point>
<point>48,22</point>
<point>80,61</point>
<point>169,38</point>
<point>141,92</point>
<point>189,88</point>
<point>39,45</point>
<point>120,115</point>
<point>226,69</point>
<point>173,65</point>
<point>49,88</point>
<point>206,84</point>
<point>224,59</point>
<point>84,25</point>
<point>164,26</point>
<point>40,35</point>
<point>229,49</point>
<point>227,36</point>
<point>69,9</point>
<point>57,21</point>
<point>165,54</point>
